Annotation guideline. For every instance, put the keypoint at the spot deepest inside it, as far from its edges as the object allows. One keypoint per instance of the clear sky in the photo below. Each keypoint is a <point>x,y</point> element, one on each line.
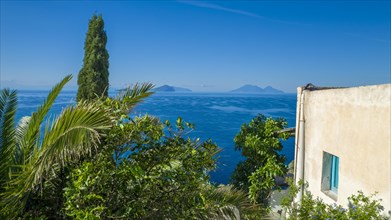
<point>201,45</point>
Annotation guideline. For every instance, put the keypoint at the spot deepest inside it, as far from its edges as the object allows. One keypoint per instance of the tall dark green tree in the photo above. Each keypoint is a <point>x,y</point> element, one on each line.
<point>93,79</point>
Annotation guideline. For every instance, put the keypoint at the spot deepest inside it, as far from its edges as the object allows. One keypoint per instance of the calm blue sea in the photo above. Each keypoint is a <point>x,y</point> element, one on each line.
<point>217,116</point>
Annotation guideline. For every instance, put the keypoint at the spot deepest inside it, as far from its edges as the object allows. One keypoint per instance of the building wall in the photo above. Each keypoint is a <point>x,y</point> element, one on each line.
<point>355,125</point>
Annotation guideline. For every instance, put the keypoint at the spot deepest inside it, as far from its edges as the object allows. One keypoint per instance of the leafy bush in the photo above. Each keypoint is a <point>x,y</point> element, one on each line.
<point>156,173</point>
<point>34,161</point>
<point>260,143</point>
<point>359,206</point>
<point>95,162</point>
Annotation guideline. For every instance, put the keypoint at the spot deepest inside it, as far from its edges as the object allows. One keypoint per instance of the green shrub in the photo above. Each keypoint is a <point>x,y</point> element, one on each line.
<point>359,206</point>
<point>152,170</point>
<point>260,142</point>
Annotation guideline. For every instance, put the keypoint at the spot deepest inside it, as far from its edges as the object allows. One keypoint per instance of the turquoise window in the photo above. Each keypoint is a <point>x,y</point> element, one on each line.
<point>334,173</point>
<point>330,175</point>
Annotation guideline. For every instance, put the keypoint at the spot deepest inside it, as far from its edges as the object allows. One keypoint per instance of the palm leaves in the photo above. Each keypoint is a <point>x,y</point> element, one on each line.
<point>26,159</point>
<point>8,102</point>
<point>136,94</point>
<point>226,202</point>
<point>130,97</point>
<point>32,158</point>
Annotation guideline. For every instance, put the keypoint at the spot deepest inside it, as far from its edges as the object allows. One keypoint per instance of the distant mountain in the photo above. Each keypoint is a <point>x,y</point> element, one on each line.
<point>167,88</point>
<point>164,88</point>
<point>248,89</point>
<point>271,90</point>
<point>180,89</point>
<point>256,89</point>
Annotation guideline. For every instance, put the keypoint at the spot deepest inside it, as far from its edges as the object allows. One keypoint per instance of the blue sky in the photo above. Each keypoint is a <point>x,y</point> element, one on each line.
<point>201,45</point>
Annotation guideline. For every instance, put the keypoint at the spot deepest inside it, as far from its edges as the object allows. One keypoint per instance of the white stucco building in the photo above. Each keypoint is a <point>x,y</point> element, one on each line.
<point>343,142</point>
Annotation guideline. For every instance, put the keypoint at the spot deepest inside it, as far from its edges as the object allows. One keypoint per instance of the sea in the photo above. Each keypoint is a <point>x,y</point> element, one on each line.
<point>217,116</point>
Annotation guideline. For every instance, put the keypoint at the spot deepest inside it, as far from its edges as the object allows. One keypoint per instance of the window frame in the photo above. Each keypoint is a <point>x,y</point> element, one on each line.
<point>330,175</point>
<point>334,173</point>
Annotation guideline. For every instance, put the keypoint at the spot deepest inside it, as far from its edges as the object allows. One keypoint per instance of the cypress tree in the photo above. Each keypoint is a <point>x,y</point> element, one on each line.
<point>93,78</point>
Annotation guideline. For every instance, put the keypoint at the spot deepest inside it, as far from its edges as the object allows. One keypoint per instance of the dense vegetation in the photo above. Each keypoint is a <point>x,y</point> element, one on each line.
<point>34,161</point>
<point>152,175</point>
<point>359,206</point>
<point>259,141</point>
<point>93,78</point>
<point>95,162</point>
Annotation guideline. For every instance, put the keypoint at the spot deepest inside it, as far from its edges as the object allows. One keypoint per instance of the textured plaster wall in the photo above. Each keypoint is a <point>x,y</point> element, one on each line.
<point>355,125</point>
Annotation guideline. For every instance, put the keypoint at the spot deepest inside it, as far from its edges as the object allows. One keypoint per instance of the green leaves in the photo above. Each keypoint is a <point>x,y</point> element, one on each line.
<point>82,202</point>
<point>75,133</point>
<point>155,174</point>
<point>259,141</point>
<point>93,78</point>
<point>120,106</point>
<point>133,95</point>
<point>31,136</point>
<point>359,206</point>
<point>110,165</point>
<point>8,103</point>
<point>262,179</point>
<point>227,202</point>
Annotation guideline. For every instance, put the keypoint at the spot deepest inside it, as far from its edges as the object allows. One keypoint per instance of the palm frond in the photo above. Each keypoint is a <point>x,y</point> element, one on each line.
<point>134,95</point>
<point>76,132</point>
<point>31,137</point>
<point>8,103</point>
<point>21,130</point>
<point>227,202</point>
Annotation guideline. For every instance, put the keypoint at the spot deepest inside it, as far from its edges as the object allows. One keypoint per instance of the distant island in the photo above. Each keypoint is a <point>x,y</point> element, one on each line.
<point>257,90</point>
<point>167,88</point>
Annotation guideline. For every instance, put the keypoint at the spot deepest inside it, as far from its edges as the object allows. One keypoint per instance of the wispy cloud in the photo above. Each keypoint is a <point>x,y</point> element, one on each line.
<point>218,7</point>
<point>203,4</point>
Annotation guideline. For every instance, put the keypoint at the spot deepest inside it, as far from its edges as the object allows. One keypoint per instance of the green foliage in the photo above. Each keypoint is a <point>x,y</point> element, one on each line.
<point>120,106</point>
<point>360,206</point>
<point>226,202</point>
<point>154,175</point>
<point>93,79</point>
<point>260,143</point>
<point>8,103</point>
<point>37,158</point>
<point>81,201</point>
<point>152,170</point>
<point>95,162</point>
